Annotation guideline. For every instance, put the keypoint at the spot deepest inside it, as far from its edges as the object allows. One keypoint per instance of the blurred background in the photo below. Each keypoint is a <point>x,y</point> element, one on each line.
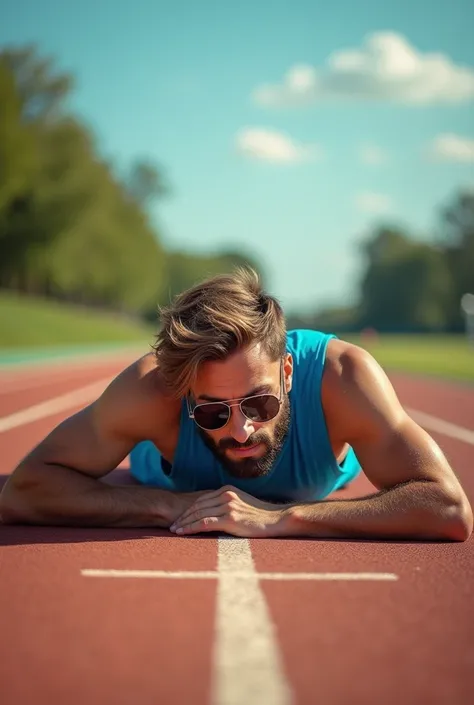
<point>145,145</point>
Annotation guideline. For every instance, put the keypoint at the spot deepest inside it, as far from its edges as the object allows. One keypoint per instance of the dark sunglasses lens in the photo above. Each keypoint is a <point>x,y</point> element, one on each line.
<point>211,416</point>
<point>262,408</point>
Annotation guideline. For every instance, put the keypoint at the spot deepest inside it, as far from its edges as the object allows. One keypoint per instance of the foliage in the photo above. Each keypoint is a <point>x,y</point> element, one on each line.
<point>408,284</point>
<point>71,228</point>
<point>405,286</point>
<point>457,229</point>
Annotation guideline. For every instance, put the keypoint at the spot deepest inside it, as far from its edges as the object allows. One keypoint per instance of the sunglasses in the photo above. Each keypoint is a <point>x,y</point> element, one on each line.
<point>260,408</point>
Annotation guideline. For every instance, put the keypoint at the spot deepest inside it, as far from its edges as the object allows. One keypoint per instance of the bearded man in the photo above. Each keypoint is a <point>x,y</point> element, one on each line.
<point>235,424</point>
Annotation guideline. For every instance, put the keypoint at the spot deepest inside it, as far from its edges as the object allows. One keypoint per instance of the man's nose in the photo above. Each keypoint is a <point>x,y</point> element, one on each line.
<point>240,427</point>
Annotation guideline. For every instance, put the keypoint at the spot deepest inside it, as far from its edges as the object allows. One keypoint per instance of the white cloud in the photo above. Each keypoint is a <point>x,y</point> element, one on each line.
<point>385,68</point>
<point>452,148</point>
<point>372,154</point>
<point>272,146</point>
<point>374,203</point>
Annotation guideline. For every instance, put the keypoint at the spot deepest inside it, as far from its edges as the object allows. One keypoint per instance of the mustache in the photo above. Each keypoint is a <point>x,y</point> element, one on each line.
<point>230,443</point>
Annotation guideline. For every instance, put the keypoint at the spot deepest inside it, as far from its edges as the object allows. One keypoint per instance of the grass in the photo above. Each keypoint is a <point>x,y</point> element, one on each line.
<point>27,322</point>
<point>448,356</point>
<point>31,327</point>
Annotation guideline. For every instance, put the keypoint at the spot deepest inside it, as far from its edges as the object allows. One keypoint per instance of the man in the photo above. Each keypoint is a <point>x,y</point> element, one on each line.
<point>234,424</point>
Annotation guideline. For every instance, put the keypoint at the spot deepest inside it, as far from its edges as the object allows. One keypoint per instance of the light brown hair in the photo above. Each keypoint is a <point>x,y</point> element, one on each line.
<point>212,320</point>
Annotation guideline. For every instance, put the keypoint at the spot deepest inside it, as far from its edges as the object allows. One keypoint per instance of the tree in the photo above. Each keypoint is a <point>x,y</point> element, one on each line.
<point>457,227</point>
<point>18,159</point>
<point>185,269</point>
<point>18,170</point>
<point>145,183</point>
<point>405,286</point>
<point>70,226</point>
<point>41,89</point>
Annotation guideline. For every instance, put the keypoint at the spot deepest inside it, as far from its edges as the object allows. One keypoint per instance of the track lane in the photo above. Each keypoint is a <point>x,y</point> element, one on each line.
<point>390,643</point>
<point>20,389</point>
<point>409,639</point>
<point>75,641</point>
<point>450,401</point>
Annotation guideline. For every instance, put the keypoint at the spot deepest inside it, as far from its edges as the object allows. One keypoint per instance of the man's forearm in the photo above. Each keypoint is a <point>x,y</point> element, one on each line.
<point>57,496</point>
<point>415,510</point>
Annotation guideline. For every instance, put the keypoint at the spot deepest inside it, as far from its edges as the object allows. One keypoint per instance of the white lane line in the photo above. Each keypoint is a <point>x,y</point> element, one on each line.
<point>248,668</point>
<point>214,575</point>
<point>80,359</point>
<point>247,664</point>
<point>433,423</point>
<point>13,386</point>
<point>12,381</point>
<point>54,406</point>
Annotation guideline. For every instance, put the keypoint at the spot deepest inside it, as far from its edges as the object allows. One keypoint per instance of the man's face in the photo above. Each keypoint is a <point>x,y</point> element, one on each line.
<point>245,448</point>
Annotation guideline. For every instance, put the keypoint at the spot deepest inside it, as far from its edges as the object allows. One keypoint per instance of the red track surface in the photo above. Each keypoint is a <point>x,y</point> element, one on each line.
<point>69,640</point>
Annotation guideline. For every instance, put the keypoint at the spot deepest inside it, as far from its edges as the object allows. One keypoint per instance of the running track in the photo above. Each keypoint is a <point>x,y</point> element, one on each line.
<point>373,622</point>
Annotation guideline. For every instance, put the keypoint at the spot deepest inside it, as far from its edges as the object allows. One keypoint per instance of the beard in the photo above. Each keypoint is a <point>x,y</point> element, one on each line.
<point>253,467</point>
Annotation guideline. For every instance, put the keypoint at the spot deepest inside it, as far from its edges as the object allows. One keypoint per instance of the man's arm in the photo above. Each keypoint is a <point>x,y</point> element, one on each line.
<point>58,483</point>
<point>419,495</point>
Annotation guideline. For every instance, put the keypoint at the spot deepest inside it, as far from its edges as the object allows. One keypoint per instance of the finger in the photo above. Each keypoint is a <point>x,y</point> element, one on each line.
<point>216,493</point>
<point>197,515</point>
<point>202,505</point>
<point>206,504</point>
<point>202,525</point>
<point>224,494</point>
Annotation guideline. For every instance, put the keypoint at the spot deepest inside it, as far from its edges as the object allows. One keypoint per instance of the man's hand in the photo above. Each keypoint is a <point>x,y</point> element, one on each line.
<point>180,502</point>
<point>232,511</point>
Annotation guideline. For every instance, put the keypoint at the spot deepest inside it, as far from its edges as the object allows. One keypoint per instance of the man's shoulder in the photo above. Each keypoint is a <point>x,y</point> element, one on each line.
<point>304,343</point>
<point>344,361</point>
<point>144,381</point>
<point>308,335</point>
<point>352,376</point>
<point>140,398</point>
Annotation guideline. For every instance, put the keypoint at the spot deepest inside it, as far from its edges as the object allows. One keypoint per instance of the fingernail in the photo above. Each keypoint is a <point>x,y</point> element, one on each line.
<point>179,531</point>
<point>172,527</point>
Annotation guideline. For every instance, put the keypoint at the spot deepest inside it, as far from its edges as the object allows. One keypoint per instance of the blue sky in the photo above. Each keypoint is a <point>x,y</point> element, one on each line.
<point>368,125</point>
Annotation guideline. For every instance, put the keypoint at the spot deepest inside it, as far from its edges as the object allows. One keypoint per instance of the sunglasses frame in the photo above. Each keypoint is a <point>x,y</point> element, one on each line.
<point>238,402</point>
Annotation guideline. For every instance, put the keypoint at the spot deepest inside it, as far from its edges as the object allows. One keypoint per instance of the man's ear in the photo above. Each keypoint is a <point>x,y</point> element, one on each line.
<point>288,372</point>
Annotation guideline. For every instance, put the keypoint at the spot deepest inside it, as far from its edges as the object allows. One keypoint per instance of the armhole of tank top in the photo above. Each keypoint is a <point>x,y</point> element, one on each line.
<point>182,436</point>
<point>184,447</point>
<point>327,441</point>
<point>171,470</point>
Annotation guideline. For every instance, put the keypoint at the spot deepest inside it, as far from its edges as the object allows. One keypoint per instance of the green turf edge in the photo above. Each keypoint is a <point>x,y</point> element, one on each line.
<point>19,358</point>
<point>448,357</point>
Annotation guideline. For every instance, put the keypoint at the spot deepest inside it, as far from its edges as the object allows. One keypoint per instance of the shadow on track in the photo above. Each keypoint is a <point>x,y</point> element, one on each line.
<point>30,535</point>
<point>23,535</point>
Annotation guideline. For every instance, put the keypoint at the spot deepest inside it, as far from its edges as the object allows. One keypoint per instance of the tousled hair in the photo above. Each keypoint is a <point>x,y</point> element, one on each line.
<point>213,319</point>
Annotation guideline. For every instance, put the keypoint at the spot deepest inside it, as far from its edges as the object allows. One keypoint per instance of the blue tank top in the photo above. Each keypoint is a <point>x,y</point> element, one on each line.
<point>305,469</point>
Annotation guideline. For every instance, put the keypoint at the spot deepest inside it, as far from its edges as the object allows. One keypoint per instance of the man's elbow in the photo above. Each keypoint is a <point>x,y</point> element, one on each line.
<point>459,521</point>
<point>16,499</point>
<point>12,510</point>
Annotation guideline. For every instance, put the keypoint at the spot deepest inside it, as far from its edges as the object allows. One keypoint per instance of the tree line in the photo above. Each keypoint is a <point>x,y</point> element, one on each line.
<point>72,226</point>
<point>75,228</point>
<point>410,284</point>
